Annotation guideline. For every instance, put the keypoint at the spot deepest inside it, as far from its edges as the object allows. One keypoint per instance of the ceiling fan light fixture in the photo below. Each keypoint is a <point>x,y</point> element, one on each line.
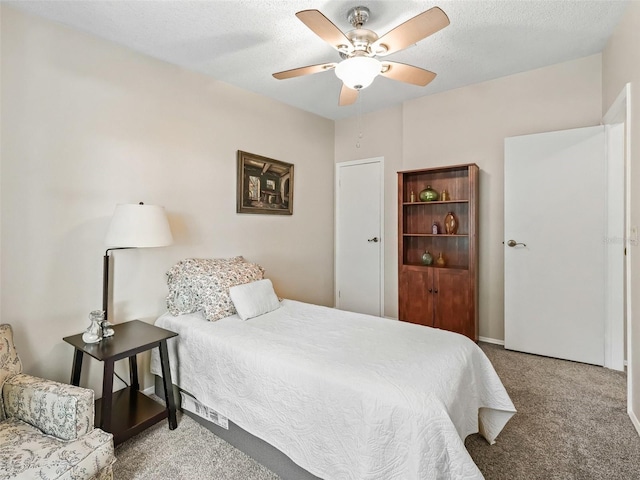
<point>358,72</point>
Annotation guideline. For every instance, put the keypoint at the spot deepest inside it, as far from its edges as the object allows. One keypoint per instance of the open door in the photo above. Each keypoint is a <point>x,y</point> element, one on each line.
<point>555,244</point>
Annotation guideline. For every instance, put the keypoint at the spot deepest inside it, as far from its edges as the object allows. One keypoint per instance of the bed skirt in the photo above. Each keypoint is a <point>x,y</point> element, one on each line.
<point>261,451</point>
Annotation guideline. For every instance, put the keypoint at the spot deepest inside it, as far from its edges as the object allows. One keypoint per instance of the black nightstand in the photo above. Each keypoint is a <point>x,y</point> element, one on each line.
<point>127,412</point>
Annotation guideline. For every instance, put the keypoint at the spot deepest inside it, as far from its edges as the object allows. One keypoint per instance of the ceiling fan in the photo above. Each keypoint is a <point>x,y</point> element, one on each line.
<point>360,47</point>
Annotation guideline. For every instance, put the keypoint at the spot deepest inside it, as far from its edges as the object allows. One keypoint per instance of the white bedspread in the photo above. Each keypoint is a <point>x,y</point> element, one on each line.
<point>344,395</point>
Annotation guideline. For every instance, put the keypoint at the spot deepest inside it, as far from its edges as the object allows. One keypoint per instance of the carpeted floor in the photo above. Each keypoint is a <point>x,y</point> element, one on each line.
<point>571,422</point>
<point>188,452</point>
<point>571,425</point>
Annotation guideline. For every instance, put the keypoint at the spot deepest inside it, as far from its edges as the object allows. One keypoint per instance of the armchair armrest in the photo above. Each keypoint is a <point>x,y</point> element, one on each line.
<point>58,409</point>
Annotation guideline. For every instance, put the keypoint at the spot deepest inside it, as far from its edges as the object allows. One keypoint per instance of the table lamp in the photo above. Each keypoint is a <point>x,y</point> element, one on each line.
<point>133,226</point>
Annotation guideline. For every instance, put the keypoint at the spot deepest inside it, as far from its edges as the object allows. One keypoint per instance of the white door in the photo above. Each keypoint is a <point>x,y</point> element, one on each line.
<point>359,227</point>
<point>555,198</point>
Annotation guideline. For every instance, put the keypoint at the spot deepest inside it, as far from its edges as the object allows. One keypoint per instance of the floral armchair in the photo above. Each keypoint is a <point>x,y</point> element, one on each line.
<point>46,427</point>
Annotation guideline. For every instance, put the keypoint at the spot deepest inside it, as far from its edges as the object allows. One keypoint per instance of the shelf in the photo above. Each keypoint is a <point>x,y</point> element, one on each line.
<point>458,235</point>
<point>132,411</point>
<point>419,266</point>
<point>438,202</point>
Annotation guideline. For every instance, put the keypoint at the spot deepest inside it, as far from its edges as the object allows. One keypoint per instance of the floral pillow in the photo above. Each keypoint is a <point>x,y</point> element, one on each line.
<point>217,301</point>
<point>184,294</point>
<point>9,361</point>
<point>203,284</point>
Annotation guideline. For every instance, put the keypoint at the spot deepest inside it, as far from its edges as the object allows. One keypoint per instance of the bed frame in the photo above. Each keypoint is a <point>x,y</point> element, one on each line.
<point>261,451</point>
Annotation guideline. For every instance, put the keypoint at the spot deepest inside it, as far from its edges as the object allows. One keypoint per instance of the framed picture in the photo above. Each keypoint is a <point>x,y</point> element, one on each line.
<point>265,185</point>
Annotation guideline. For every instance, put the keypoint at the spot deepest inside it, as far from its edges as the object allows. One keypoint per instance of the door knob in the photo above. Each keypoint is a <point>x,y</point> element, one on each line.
<point>374,240</point>
<point>513,243</point>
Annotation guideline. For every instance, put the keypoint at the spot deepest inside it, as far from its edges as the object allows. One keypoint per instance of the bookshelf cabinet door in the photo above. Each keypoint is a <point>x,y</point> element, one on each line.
<point>453,307</point>
<point>416,298</point>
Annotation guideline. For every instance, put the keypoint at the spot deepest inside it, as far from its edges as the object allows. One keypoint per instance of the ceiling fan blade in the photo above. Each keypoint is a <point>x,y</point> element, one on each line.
<point>411,31</point>
<point>348,96</point>
<point>308,70</point>
<point>325,29</point>
<point>407,73</point>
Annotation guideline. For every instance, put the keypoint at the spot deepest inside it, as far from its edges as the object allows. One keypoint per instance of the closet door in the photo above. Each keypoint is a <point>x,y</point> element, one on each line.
<point>359,260</point>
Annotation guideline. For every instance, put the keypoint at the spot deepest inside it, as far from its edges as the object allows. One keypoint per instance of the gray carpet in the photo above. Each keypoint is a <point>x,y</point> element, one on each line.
<point>571,422</point>
<point>571,425</point>
<point>188,452</point>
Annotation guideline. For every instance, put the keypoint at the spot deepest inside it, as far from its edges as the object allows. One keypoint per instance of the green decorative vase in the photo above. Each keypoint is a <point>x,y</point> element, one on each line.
<point>427,258</point>
<point>428,194</point>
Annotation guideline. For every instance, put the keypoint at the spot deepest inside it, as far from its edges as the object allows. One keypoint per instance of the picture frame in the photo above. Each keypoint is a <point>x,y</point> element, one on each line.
<point>265,185</point>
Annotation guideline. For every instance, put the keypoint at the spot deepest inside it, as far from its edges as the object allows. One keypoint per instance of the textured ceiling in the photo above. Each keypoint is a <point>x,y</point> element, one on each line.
<point>242,42</point>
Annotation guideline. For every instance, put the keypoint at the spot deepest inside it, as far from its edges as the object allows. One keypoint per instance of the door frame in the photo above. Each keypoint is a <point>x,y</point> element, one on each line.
<point>614,258</point>
<point>336,267</point>
<point>620,112</point>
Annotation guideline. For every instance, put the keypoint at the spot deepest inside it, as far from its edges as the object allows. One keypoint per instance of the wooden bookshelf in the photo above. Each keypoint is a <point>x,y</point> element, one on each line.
<point>439,296</point>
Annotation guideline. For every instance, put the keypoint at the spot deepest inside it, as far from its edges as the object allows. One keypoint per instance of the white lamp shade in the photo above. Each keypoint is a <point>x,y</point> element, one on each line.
<point>358,72</point>
<point>138,226</point>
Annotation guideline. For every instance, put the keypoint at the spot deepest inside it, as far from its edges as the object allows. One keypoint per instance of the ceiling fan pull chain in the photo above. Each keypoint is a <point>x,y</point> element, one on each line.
<point>359,119</point>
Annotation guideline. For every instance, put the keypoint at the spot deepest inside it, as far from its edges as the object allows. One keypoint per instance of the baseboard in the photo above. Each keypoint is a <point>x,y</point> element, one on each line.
<point>634,420</point>
<point>148,391</point>
<point>495,341</point>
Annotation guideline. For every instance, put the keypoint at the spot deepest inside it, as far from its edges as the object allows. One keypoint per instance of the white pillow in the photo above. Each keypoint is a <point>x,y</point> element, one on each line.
<point>254,299</point>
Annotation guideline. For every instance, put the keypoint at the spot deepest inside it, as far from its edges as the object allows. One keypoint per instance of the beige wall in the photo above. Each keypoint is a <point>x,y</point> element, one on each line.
<point>469,125</point>
<point>621,65</point>
<point>87,124</point>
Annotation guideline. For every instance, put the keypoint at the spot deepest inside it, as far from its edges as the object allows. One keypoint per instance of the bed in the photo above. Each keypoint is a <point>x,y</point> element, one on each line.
<point>343,395</point>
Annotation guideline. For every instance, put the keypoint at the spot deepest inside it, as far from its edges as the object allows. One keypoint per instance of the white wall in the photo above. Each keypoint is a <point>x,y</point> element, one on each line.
<point>621,65</point>
<point>87,124</point>
<point>468,125</point>
<point>0,179</point>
